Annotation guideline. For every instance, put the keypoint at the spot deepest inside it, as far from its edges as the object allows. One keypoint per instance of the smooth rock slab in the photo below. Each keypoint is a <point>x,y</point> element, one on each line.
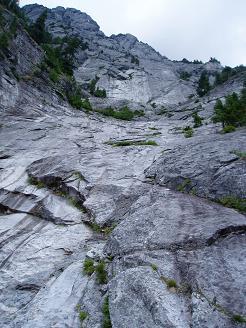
<point>206,167</point>
<point>163,219</point>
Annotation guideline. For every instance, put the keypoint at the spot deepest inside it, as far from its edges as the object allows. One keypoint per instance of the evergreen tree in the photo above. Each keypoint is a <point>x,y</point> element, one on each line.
<point>38,30</point>
<point>233,112</point>
<point>203,84</point>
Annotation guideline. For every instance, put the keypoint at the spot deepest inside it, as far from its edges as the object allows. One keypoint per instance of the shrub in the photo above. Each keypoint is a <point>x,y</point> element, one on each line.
<point>123,114</point>
<point>82,315</point>
<point>100,93</point>
<point>234,202</point>
<point>238,318</point>
<point>188,132</point>
<point>183,186</point>
<point>229,129</point>
<point>203,84</point>
<point>88,267</point>
<point>101,274</point>
<point>86,104</point>
<point>35,182</point>
<point>106,314</point>
<point>92,85</point>
<point>4,41</point>
<point>197,120</point>
<point>134,60</point>
<point>184,75</point>
<point>53,75</point>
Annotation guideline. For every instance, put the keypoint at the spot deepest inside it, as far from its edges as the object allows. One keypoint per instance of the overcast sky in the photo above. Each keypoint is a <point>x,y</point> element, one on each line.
<point>194,29</point>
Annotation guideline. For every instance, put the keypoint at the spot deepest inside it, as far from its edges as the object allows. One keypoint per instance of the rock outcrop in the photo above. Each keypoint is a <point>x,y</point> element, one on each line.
<point>100,220</point>
<point>130,71</point>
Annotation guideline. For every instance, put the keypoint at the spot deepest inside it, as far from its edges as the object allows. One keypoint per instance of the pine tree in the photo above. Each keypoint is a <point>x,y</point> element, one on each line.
<point>203,84</point>
<point>38,30</point>
<point>233,112</point>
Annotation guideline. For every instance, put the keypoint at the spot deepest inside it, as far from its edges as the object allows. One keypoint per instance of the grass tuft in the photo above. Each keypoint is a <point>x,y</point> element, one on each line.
<point>106,314</point>
<point>101,273</point>
<point>188,132</point>
<point>234,202</point>
<point>240,154</point>
<point>82,315</point>
<point>88,267</point>
<point>154,267</point>
<point>127,143</point>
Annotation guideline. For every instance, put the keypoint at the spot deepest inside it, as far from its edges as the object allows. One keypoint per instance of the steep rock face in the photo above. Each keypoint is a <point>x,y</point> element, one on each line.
<point>67,193</point>
<point>130,71</point>
<point>203,170</point>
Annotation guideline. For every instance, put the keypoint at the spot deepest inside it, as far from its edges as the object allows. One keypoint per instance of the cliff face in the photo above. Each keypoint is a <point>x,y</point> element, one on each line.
<point>129,70</point>
<point>109,223</point>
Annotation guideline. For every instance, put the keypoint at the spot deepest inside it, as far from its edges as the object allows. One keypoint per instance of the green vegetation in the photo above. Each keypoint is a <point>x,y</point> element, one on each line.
<point>38,31</point>
<point>229,129</point>
<point>98,229</point>
<point>232,112</point>
<point>76,203</point>
<point>182,187</point>
<point>238,318</point>
<point>12,5</point>
<point>106,314</point>
<point>240,154</point>
<point>4,41</point>
<point>124,113</point>
<point>88,267</point>
<point>154,267</point>
<point>131,143</point>
<point>171,283</point>
<point>101,273</point>
<point>188,132</point>
<point>134,60</point>
<point>101,93</point>
<point>214,60</point>
<point>234,202</point>
<point>53,75</point>
<point>197,120</point>
<point>184,75</point>
<point>82,315</point>
<point>92,85</point>
<point>227,73</point>
<point>203,84</point>
<point>196,61</point>
<point>8,30</point>
<point>35,182</point>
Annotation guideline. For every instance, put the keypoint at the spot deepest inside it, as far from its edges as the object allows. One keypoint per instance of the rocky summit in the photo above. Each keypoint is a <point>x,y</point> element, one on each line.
<point>122,198</point>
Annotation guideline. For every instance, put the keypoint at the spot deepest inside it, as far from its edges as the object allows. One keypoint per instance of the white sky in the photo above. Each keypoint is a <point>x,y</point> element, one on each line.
<point>194,29</point>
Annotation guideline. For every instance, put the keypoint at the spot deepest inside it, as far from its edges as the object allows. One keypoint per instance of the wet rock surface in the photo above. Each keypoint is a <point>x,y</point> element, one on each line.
<point>70,191</point>
<point>56,189</point>
<point>210,168</point>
